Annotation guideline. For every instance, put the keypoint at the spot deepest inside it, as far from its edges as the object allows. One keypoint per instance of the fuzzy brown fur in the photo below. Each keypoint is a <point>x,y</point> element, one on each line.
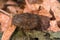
<point>28,21</point>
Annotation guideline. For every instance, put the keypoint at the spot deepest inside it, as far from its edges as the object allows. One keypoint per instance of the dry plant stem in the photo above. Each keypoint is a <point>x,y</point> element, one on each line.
<point>7,34</point>
<point>53,26</point>
<point>55,8</point>
<point>4,12</point>
<point>11,28</point>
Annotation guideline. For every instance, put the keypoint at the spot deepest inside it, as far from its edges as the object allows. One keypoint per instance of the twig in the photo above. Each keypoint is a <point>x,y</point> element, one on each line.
<point>6,13</point>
